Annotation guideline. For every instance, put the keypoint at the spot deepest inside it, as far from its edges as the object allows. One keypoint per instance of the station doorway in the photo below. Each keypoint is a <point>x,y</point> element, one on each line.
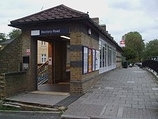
<point>53,63</point>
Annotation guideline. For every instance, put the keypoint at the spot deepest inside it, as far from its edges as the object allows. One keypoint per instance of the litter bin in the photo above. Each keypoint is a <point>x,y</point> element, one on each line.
<point>125,64</point>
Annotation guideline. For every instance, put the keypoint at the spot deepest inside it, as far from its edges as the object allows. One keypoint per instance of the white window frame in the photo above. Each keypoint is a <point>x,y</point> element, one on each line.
<point>43,58</point>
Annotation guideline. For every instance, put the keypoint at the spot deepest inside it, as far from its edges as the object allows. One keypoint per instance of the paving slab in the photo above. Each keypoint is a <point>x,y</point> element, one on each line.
<point>40,97</point>
<point>130,93</point>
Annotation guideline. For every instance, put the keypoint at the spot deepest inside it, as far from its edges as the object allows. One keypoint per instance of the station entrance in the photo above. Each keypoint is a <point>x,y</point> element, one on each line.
<point>77,67</point>
<point>54,74</point>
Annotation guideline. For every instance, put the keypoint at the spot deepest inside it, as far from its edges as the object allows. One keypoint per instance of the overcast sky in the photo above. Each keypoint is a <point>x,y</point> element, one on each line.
<point>120,16</point>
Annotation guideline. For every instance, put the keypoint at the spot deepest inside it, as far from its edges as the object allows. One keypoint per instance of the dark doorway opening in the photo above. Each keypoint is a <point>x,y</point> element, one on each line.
<point>53,63</point>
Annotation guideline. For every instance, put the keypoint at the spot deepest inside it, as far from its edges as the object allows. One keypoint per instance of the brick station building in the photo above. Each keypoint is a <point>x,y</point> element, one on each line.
<point>80,51</point>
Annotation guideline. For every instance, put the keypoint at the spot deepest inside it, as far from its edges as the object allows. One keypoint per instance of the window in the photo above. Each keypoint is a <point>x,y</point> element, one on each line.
<point>114,57</point>
<point>97,60</point>
<point>43,43</point>
<point>105,55</point>
<point>100,54</point>
<point>109,55</point>
<point>43,58</point>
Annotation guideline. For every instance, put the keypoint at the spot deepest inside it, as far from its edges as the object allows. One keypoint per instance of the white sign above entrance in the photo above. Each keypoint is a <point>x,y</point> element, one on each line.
<point>35,32</point>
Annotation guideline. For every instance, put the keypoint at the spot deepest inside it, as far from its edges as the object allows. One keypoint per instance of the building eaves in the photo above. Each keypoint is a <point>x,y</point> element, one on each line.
<point>60,12</point>
<point>104,33</point>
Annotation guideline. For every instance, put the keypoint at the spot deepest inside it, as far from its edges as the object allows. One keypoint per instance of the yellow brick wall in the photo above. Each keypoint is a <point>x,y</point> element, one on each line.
<point>42,49</point>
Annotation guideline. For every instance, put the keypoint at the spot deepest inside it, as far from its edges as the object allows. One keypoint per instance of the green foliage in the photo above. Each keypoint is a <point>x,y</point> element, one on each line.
<point>14,33</point>
<point>2,37</point>
<point>151,49</point>
<point>9,108</point>
<point>129,53</point>
<point>134,46</point>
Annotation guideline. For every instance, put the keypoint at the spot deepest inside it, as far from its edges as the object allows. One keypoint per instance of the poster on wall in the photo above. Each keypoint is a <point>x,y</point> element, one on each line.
<point>90,60</point>
<point>28,52</point>
<point>85,60</point>
<point>97,62</point>
<point>94,59</point>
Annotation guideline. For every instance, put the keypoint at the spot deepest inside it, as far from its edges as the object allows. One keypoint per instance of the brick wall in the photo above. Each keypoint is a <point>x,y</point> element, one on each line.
<point>42,49</point>
<point>75,62</point>
<point>13,83</point>
<point>11,65</point>
<point>30,43</point>
<point>79,83</point>
<point>10,57</point>
<point>118,60</point>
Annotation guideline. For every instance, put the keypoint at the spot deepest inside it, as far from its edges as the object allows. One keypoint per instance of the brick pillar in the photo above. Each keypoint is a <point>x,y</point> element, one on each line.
<point>75,63</point>
<point>50,66</point>
<point>63,61</point>
<point>33,66</point>
<point>30,43</point>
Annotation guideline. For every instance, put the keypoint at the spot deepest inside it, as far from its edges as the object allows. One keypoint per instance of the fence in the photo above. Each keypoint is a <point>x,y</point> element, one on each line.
<point>152,64</point>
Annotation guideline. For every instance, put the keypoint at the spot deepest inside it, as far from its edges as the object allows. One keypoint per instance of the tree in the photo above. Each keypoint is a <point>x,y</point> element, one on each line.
<point>129,53</point>
<point>151,49</point>
<point>2,37</point>
<point>135,45</point>
<point>14,33</point>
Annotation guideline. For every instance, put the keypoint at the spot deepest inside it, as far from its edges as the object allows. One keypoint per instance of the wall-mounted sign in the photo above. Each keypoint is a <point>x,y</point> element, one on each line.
<point>48,32</point>
<point>122,43</point>
<point>94,59</point>
<point>27,51</point>
<point>85,60</point>
<point>90,60</point>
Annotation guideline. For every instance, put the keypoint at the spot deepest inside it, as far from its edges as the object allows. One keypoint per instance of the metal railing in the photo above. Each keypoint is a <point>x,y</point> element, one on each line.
<point>42,72</point>
<point>152,64</point>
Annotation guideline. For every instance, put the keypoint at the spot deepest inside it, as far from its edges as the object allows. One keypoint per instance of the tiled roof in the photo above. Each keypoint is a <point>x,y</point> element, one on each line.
<point>60,12</point>
<point>56,13</point>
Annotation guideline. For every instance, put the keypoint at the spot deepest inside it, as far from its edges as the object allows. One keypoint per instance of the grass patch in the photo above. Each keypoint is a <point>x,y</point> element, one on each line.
<point>9,108</point>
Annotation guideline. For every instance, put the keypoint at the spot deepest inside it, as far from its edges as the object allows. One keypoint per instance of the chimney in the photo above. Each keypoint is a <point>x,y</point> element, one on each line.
<point>103,27</point>
<point>96,20</point>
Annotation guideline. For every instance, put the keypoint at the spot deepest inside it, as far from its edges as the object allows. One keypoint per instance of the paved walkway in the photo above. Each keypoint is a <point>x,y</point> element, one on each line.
<point>40,97</point>
<point>122,94</point>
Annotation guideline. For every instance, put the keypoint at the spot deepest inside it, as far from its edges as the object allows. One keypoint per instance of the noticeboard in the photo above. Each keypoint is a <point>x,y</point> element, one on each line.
<point>90,60</point>
<point>85,59</point>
